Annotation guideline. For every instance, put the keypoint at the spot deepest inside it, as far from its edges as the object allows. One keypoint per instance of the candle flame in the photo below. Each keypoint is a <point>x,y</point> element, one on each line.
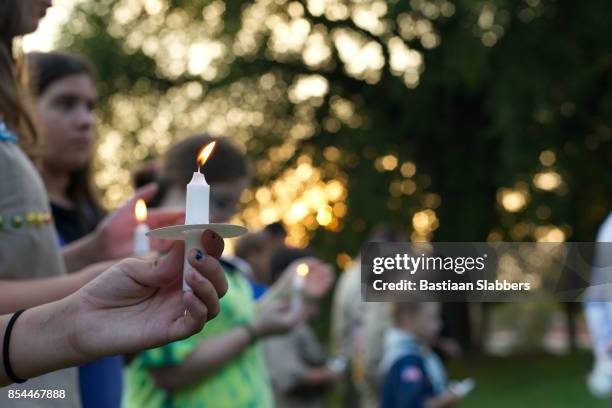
<point>302,269</point>
<point>140,210</point>
<point>205,153</point>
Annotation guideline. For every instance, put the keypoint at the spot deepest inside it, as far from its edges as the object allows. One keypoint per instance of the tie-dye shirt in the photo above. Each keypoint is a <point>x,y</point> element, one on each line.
<point>243,382</point>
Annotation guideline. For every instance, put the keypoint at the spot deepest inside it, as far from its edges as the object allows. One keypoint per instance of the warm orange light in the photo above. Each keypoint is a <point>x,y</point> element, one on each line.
<point>140,210</point>
<point>205,153</point>
<point>302,269</point>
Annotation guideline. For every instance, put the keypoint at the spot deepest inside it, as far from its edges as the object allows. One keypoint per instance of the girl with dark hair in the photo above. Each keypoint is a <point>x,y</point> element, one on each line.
<point>65,93</point>
<point>65,96</point>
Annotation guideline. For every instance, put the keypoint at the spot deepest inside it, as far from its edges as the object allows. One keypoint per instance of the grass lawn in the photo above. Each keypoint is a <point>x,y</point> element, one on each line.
<point>540,381</point>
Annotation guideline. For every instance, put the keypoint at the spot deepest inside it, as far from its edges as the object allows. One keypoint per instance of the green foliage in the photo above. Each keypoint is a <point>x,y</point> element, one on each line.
<point>501,82</point>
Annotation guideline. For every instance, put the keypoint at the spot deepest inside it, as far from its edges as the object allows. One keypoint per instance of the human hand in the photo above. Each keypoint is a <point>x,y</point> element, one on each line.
<point>114,236</point>
<point>137,305</point>
<point>319,279</point>
<point>449,347</point>
<point>275,317</point>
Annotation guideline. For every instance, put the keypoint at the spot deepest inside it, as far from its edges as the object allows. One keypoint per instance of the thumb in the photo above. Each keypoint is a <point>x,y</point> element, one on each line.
<point>165,270</point>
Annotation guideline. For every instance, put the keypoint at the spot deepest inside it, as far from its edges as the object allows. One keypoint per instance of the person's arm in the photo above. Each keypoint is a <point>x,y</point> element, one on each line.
<point>40,342</point>
<point>83,252</point>
<point>317,376</point>
<point>27,293</point>
<point>213,354</point>
<point>114,237</point>
<point>206,359</point>
<point>135,305</point>
<point>445,400</point>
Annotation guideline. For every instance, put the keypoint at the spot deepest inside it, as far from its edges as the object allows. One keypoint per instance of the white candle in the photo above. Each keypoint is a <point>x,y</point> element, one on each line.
<point>141,241</point>
<point>196,207</point>
<point>299,281</point>
<point>198,196</point>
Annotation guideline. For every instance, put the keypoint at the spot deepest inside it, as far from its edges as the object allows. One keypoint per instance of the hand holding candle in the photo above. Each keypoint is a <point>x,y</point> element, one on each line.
<point>196,207</point>
<point>197,221</point>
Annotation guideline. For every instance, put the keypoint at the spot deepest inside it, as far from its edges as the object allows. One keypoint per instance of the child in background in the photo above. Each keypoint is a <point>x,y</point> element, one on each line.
<point>65,96</point>
<point>275,234</point>
<point>253,255</point>
<point>297,361</point>
<point>413,376</point>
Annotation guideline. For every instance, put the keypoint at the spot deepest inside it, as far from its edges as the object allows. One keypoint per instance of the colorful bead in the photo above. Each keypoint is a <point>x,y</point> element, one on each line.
<point>17,221</point>
<point>31,218</point>
<point>35,219</point>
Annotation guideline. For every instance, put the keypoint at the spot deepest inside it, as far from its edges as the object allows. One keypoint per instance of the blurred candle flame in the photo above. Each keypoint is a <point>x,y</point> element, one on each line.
<point>302,269</point>
<point>140,210</point>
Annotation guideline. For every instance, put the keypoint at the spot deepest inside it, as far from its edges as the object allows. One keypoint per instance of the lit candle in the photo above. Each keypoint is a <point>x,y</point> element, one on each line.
<point>141,241</point>
<point>196,207</point>
<point>299,281</point>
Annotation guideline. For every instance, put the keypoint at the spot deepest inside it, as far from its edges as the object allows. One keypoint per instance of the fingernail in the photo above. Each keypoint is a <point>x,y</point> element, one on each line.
<point>199,255</point>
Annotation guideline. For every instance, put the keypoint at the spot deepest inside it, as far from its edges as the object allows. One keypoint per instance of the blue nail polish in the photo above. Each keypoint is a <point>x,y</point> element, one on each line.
<point>199,255</point>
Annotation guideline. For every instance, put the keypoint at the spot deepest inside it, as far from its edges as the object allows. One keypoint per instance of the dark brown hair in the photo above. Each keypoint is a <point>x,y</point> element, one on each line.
<point>226,164</point>
<point>13,102</point>
<point>44,70</point>
<point>49,67</point>
<point>248,244</point>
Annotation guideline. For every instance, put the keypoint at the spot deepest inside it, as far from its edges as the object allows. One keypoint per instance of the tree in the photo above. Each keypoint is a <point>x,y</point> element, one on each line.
<point>466,120</point>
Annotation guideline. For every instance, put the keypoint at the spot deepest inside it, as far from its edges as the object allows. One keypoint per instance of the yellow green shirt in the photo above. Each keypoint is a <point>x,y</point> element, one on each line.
<point>243,382</point>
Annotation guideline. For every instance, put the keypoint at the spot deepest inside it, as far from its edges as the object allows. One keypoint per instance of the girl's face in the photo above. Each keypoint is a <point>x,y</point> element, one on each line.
<point>67,123</point>
<point>224,199</point>
<point>32,11</point>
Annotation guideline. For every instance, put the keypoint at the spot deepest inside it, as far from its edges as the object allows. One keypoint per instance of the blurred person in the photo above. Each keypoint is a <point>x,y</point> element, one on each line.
<point>297,361</point>
<point>276,233</point>
<point>412,374</point>
<point>65,96</point>
<point>351,338</point>
<point>253,256</point>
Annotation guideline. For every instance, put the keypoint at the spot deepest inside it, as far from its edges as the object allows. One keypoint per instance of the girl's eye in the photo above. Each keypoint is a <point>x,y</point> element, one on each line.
<point>66,103</point>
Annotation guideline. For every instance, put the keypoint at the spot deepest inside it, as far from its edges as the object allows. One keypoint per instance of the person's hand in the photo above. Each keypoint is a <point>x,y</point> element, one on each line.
<point>449,347</point>
<point>275,317</point>
<point>114,236</point>
<point>319,279</point>
<point>137,305</point>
